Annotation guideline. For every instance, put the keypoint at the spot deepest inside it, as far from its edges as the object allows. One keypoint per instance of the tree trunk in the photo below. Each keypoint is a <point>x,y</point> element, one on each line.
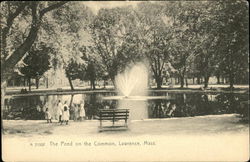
<point>17,55</point>
<point>24,84</point>
<point>29,83</point>
<point>3,91</point>
<point>182,81</point>
<point>218,79</point>
<point>37,82</point>
<point>158,82</point>
<point>193,81</point>
<point>202,80</point>
<point>104,83</point>
<point>7,66</point>
<point>198,80</point>
<point>71,101</point>
<point>47,82</point>
<point>93,84</point>
<point>113,81</point>
<point>206,81</point>
<point>186,80</point>
<point>70,83</point>
<point>231,81</point>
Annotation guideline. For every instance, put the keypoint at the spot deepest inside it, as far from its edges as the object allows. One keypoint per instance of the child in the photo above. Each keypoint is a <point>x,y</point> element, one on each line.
<point>65,114</point>
<point>48,116</point>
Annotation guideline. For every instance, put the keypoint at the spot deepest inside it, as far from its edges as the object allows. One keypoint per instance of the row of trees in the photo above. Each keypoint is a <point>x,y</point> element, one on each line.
<point>182,39</point>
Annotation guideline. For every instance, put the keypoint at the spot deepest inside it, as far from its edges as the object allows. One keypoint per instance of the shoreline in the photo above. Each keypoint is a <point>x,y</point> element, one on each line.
<point>171,90</point>
<point>207,124</point>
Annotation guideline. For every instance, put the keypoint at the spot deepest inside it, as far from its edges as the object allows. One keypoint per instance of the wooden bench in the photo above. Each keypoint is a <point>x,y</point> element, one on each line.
<point>113,115</point>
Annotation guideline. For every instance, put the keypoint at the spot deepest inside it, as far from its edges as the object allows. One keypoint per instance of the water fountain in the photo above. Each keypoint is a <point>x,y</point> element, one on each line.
<point>133,81</point>
<point>132,84</point>
<point>132,88</point>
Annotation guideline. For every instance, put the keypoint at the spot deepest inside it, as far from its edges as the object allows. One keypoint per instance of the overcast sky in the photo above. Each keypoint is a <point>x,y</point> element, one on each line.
<point>96,5</point>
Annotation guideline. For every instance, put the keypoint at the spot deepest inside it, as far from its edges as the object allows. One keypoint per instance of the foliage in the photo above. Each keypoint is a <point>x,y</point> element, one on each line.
<point>20,26</point>
<point>113,39</point>
<point>187,38</point>
<point>233,38</point>
<point>36,61</point>
<point>156,39</point>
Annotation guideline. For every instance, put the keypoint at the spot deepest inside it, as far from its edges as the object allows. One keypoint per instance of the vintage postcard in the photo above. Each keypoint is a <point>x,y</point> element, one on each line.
<point>125,80</point>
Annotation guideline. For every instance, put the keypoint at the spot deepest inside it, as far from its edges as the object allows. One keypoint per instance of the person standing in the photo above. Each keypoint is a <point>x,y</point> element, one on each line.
<point>59,111</point>
<point>65,114</point>
<point>48,116</point>
<point>82,111</point>
<point>172,109</point>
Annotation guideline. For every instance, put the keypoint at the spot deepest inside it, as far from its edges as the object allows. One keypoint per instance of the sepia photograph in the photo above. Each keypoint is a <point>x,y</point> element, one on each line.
<point>121,81</point>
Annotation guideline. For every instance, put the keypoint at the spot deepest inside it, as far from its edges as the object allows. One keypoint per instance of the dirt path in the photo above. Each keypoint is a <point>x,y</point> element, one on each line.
<point>211,138</point>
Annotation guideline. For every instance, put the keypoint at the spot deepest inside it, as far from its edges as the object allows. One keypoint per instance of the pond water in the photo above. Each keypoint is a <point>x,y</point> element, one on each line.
<point>167,105</point>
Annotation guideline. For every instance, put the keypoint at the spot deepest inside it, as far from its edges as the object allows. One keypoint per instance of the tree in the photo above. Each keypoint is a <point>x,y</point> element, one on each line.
<point>156,39</point>
<point>90,70</point>
<point>36,63</point>
<point>233,38</point>
<point>109,33</point>
<point>12,13</point>
<point>14,10</point>
<point>183,16</point>
<point>70,36</point>
<point>183,53</point>
<point>208,41</point>
<point>74,71</point>
<point>94,69</point>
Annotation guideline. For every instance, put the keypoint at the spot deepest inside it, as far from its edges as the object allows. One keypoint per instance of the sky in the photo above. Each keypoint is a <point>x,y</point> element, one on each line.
<point>96,5</point>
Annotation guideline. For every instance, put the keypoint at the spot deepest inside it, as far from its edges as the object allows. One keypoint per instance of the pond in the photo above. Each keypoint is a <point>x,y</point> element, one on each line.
<point>167,105</point>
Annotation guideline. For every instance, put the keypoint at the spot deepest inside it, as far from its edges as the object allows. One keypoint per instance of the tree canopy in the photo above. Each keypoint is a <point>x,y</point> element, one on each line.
<point>175,38</point>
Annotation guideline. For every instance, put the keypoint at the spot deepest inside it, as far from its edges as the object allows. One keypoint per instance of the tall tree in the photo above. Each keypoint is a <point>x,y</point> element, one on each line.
<point>93,69</point>
<point>70,36</point>
<point>111,40</point>
<point>36,63</point>
<point>233,38</point>
<point>74,71</point>
<point>34,11</point>
<point>12,13</point>
<point>155,38</point>
<point>184,16</point>
<point>207,40</point>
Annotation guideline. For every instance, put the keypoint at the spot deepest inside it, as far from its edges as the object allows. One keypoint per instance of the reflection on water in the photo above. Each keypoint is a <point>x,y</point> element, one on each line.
<point>174,105</point>
<point>137,108</point>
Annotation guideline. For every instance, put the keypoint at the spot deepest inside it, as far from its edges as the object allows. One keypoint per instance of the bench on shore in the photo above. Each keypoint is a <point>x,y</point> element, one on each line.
<point>113,115</point>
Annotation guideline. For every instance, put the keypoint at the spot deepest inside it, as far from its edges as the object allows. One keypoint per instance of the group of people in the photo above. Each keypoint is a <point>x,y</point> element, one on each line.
<point>63,113</point>
<point>164,110</point>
